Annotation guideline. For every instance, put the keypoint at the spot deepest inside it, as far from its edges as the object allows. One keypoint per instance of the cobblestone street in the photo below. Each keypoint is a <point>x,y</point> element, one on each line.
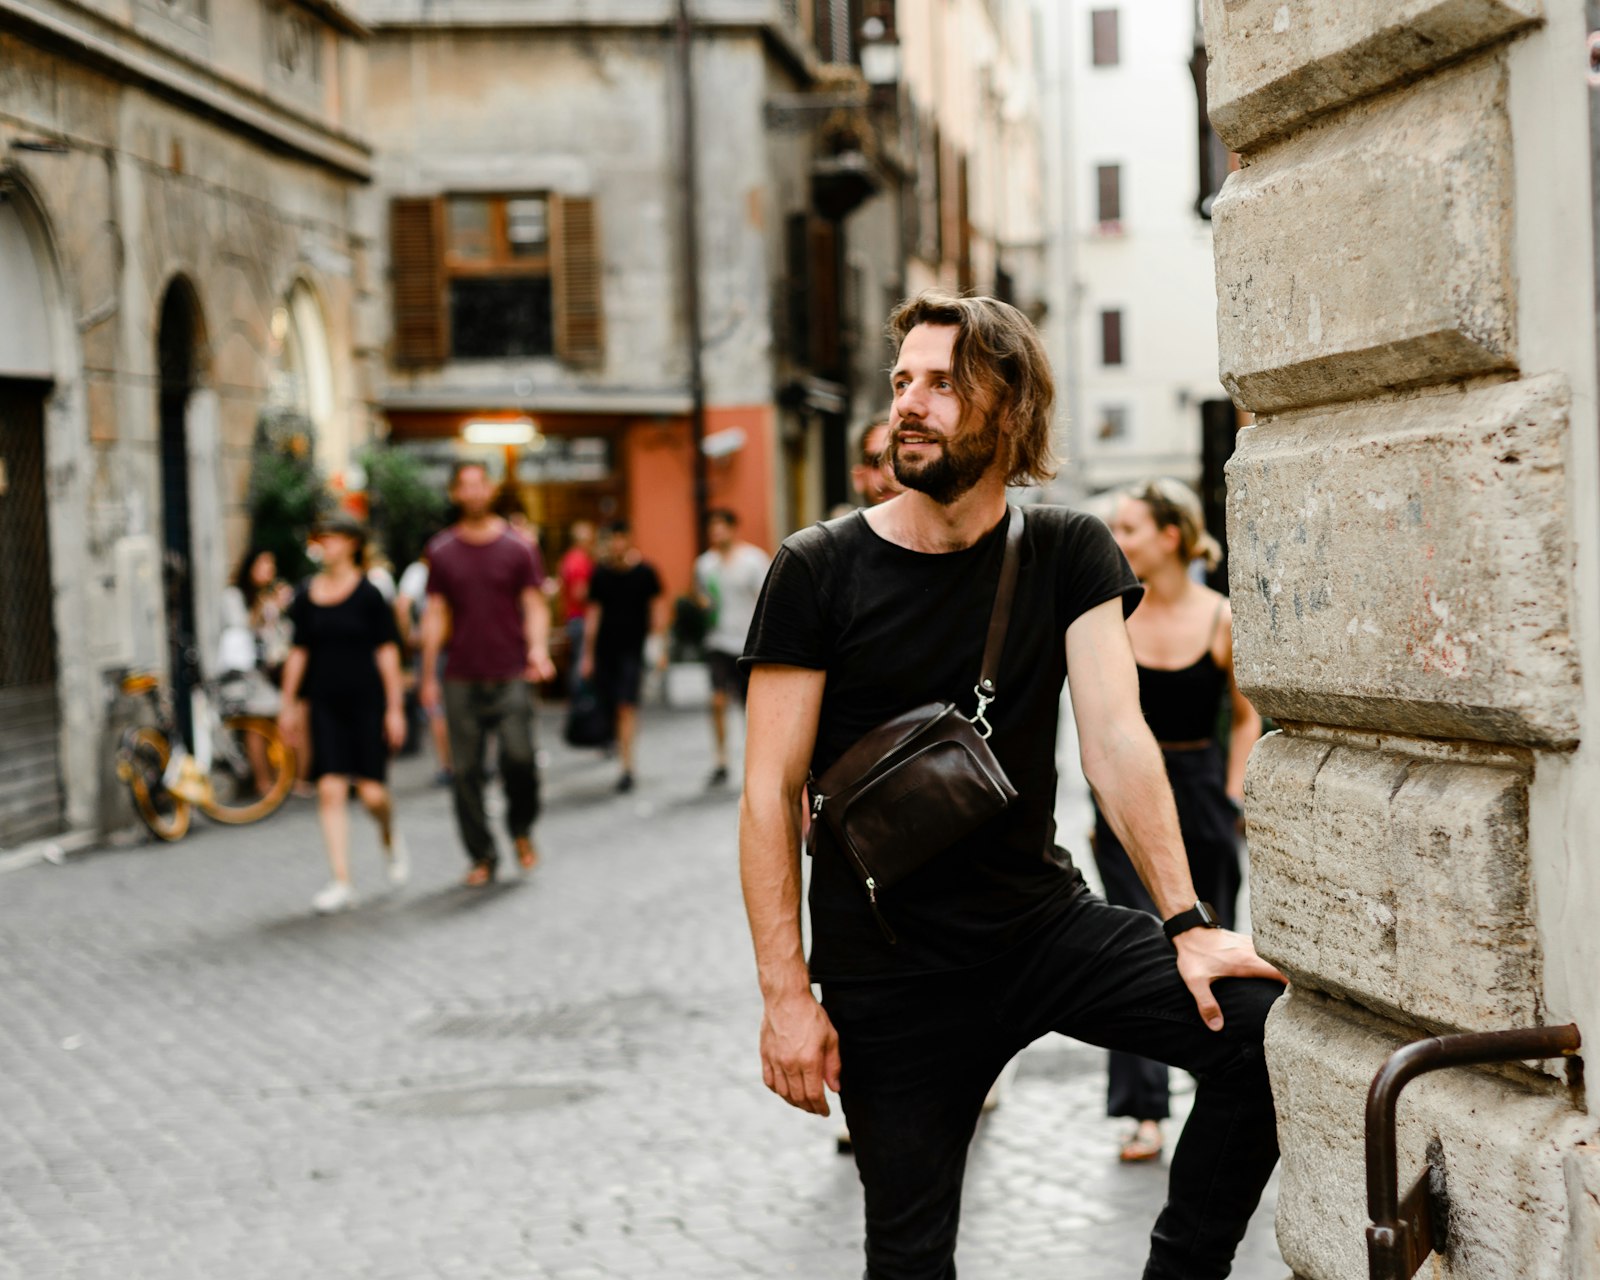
<point>555,1077</point>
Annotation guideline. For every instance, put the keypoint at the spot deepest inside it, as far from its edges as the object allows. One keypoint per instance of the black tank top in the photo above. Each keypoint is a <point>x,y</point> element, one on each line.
<point>1181,705</point>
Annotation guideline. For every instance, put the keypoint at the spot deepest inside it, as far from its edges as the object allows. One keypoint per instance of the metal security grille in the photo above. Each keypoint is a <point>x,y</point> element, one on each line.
<point>30,772</point>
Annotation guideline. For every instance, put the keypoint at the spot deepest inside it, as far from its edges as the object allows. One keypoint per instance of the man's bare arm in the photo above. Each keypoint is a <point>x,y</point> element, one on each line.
<point>435,621</point>
<point>1120,756</point>
<point>591,631</point>
<point>536,634</point>
<point>799,1048</point>
<point>1129,780</point>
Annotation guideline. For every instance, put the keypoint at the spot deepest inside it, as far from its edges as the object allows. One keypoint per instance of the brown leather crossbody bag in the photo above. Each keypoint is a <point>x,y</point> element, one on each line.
<point>907,790</point>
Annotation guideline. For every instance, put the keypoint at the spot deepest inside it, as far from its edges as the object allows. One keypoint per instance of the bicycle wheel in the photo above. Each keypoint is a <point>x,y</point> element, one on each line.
<point>142,765</point>
<point>238,747</point>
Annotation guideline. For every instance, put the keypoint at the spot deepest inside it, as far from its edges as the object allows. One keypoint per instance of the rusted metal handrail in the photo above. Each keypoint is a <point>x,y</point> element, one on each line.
<point>1401,1235</point>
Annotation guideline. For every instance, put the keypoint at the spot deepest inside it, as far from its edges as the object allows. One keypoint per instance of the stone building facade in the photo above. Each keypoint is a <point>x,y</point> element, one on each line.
<point>500,127</point>
<point>177,250</point>
<point>975,210</point>
<point>1405,280</point>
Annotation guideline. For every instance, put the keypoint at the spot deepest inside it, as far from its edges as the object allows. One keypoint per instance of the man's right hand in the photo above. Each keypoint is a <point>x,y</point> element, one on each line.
<point>428,693</point>
<point>799,1051</point>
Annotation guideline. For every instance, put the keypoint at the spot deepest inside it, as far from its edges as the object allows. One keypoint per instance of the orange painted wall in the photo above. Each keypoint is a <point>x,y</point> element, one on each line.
<point>661,487</point>
<point>746,482</point>
<point>661,499</point>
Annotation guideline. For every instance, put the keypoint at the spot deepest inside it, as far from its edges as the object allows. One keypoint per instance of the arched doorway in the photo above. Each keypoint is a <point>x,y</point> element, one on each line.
<point>31,795</point>
<point>177,338</point>
<point>302,374</point>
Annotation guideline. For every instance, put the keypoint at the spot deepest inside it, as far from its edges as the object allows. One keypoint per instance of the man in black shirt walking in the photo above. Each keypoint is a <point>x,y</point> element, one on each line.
<point>622,613</point>
<point>996,940</point>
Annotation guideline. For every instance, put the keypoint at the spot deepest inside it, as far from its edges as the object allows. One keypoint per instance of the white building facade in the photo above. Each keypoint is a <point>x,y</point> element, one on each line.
<point>1132,320</point>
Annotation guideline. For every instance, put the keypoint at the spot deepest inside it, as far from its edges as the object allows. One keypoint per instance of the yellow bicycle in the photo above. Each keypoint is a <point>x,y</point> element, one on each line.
<point>241,771</point>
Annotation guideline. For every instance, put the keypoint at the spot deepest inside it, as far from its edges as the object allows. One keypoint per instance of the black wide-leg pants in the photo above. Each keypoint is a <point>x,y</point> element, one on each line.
<point>918,1054</point>
<point>1137,1087</point>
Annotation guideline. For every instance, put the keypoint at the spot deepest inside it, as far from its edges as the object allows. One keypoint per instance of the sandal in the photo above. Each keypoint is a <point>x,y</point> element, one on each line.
<point>1143,1144</point>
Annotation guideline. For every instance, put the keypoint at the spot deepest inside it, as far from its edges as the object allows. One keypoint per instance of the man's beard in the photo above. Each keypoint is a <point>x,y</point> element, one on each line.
<point>960,463</point>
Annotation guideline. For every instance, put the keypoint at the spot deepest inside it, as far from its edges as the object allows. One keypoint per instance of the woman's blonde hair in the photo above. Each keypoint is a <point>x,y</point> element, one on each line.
<point>997,354</point>
<point>1174,505</point>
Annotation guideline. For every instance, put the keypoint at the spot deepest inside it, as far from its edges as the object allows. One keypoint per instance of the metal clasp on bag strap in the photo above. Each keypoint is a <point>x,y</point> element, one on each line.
<point>979,721</point>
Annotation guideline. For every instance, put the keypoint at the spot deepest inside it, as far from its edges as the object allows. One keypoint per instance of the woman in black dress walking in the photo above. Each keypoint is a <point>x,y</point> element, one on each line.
<point>1182,635</point>
<point>345,663</point>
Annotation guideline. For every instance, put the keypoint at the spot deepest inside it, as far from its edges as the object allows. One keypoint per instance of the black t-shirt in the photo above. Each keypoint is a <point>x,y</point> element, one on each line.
<point>341,642</point>
<point>894,629</point>
<point>624,597</point>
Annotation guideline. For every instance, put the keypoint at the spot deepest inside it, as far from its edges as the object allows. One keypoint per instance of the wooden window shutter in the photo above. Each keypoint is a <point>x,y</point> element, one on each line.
<point>797,286</point>
<point>416,268</point>
<point>577,272</point>
<point>964,271</point>
<point>825,300</point>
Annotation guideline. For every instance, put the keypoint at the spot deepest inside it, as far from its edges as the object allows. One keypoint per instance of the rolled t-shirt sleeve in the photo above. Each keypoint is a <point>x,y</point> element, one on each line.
<point>1094,570</point>
<point>530,571</point>
<point>789,627</point>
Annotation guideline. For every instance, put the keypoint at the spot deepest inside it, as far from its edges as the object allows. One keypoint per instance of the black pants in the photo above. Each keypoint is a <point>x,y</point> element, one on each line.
<point>474,709</point>
<point>1137,1087</point>
<point>918,1055</point>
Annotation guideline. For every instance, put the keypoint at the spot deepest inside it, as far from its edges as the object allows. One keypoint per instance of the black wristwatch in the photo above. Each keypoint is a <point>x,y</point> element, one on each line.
<point>1200,916</point>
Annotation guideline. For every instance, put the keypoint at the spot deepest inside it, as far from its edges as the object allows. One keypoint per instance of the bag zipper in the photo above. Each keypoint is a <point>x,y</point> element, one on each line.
<point>872,894</point>
<point>817,801</point>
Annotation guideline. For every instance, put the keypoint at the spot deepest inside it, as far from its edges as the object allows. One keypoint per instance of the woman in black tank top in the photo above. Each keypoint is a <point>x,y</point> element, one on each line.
<point>1182,637</point>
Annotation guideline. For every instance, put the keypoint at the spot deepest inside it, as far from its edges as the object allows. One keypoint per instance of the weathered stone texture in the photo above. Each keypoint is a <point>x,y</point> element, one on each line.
<point>1406,566</point>
<point>1504,1144</point>
<point>1372,251</point>
<point>1399,882</point>
<point>1583,1199</point>
<point>1274,64</point>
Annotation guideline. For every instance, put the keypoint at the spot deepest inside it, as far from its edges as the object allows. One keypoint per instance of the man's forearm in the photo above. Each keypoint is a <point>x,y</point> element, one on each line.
<point>432,641</point>
<point>591,630</point>
<point>769,871</point>
<point>536,623</point>
<point>1131,788</point>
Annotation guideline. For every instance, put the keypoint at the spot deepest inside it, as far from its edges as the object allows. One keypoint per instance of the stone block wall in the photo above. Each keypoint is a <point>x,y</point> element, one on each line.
<point>146,193</point>
<point>1409,518</point>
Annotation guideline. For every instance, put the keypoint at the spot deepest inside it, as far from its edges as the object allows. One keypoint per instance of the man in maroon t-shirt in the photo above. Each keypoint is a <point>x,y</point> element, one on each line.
<point>483,589</point>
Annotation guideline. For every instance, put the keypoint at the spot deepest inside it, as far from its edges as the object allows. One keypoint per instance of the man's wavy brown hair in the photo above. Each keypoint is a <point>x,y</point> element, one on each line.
<point>997,356</point>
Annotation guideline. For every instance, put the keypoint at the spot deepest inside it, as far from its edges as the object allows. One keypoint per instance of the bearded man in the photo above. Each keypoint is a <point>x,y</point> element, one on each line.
<point>930,987</point>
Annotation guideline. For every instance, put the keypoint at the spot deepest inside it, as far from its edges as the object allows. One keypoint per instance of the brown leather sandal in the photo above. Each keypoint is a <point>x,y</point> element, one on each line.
<point>1143,1144</point>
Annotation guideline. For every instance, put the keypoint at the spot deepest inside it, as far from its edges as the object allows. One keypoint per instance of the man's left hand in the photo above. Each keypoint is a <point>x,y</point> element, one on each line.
<point>1204,955</point>
<point>540,668</point>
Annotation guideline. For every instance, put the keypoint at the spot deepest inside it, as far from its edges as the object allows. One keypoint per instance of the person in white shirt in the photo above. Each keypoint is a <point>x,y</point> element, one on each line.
<point>728,581</point>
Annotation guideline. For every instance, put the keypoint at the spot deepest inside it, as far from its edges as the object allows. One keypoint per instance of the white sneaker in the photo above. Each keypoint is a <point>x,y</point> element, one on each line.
<point>333,896</point>
<point>399,859</point>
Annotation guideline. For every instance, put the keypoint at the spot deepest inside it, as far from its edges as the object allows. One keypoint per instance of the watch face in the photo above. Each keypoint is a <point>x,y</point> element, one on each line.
<point>1208,915</point>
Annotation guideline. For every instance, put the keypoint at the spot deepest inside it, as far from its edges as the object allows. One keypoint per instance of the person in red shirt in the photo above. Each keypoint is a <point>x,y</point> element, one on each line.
<point>575,571</point>
<point>483,589</point>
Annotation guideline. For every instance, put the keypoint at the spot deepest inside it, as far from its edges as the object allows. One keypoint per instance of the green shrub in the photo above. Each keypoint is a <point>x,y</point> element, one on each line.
<point>406,504</point>
<point>287,490</point>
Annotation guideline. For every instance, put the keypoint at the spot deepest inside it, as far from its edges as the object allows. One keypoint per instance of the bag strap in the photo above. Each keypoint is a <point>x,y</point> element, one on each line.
<point>999,618</point>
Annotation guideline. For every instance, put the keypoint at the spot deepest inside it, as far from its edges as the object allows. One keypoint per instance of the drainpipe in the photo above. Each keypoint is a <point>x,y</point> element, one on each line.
<point>688,170</point>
